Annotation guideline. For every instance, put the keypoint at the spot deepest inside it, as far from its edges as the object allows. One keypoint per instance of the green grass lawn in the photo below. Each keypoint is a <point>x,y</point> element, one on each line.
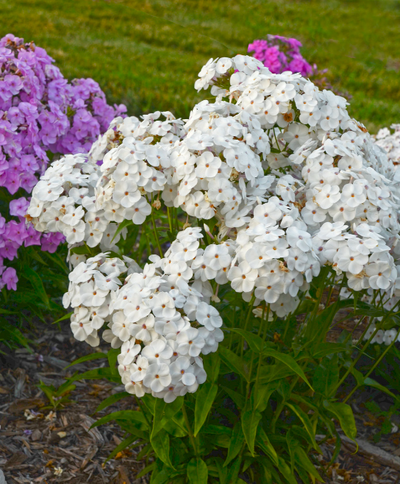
<point>147,53</point>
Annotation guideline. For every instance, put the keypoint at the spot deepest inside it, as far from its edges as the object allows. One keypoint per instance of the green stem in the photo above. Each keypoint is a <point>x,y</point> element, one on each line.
<point>374,366</point>
<point>355,361</point>
<point>169,220</point>
<point>245,328</point>
<point>156,235</point>
<point>189,429</point>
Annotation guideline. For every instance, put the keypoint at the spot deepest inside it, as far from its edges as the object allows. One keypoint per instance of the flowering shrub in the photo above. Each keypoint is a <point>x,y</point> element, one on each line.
<point>300,206</point>
<point>41,115</point>
<point>282,54</point>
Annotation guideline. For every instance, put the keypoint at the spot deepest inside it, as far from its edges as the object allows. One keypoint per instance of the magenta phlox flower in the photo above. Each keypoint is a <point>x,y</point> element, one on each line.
<point>51,241</point>
<point>280,54</point>
<point>10,278</point>
<point>32,237</point>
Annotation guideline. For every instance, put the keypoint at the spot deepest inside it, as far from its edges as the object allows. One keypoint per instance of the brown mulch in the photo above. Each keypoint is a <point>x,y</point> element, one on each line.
<point>42,445</point>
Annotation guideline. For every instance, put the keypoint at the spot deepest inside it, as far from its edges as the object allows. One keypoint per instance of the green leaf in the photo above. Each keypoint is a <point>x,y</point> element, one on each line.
<point>112,356</point>
<point>235,444</point>
<point>81,250</point>
<point>111,400</point>
<point>89,357</point>
<point>372,383</point>
<point>250,420</point>
<point>326,376</point>
<point>235,396</point>
<point>344,414</point>
<point>97,374</point>
<point>197,471</point>
<point>291,442</point>
<point>266,467</point>
<point>121,446</point>
<point>233,362</point>
<point>233,471</point>
<point>285,470</point>
<point>216,430</point>
<point>305,421</point>
<point>265,445</point>
<point>289,362</point>
<point>301,459</point>
<point>121,226</point>
<point>211,366</point>
<point>164,414</point>
<point>36,281</point>
<point>260,395</point>
<point>204,400</point>
<point>161,477</point>
<point>160,444</point>
<point>269,373</point>
<point>63,318</point>
<point>146,470</point>
<point>325,349</point>
<point>158,422</point>
<point>6,311</point>
<point>123,415</point>
<point>255,342</point>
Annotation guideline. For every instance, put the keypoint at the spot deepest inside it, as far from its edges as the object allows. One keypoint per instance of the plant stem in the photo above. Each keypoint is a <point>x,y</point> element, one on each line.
<point>189,429</point>
<point>156,235</point>
<point>355,361</point>
<point>374,366</point>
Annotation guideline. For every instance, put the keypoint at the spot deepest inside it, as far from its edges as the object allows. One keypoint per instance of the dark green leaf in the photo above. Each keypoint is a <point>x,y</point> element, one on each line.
<point>122,446</point>
<point>344,414</point>
<point>255,342</point>
<point>111,400</point>
<point>301,459</point>
<point>325,349</point>
<point>211,366</point>
<point>236,443</point>
<point>97,374</point>
<point>121,226</point>
<point>160,444</point>
<point>265,445</point>
<point>233,362</point>
<point>288,361</point>
<point>123,415</point>
<point>235,396</point>
<point>63,318</point>
<point>305,421</point>
<point>250,420</point>
<point>89,357</point>
<point>326,376</point>
<point>36,281</point>
<point>197,471</point>
<point>204,400</point>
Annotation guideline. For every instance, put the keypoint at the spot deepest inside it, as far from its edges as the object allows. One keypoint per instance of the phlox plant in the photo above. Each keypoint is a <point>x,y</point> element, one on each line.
<point>213,255</point>
<point>42,116</point>
<point>282,54</point>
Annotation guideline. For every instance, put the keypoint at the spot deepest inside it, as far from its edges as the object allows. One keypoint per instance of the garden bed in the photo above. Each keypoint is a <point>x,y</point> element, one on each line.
<point>40,445</point>
<point>57,446</point>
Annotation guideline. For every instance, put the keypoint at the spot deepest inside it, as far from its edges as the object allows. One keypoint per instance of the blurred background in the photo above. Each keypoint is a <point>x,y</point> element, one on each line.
<point>147,53</point>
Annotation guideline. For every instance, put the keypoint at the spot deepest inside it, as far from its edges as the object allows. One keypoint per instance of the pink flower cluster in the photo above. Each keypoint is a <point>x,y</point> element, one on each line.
<point>41,115</point>
<point>281,54</point>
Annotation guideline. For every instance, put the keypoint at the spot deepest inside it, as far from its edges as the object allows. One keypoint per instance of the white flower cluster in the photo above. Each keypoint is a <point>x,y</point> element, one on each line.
<point>159,317</point>
<point>390,142</point>
<point>291,181</point>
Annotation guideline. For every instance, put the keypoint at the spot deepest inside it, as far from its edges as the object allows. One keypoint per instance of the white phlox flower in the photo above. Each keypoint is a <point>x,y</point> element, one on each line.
<point>290,184</point>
